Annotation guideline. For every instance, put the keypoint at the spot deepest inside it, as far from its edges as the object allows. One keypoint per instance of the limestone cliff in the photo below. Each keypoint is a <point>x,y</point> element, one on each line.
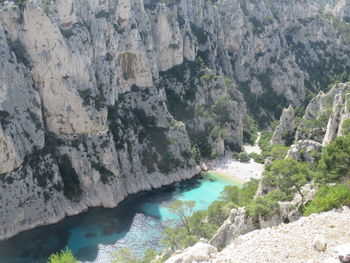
<point>101,99</point>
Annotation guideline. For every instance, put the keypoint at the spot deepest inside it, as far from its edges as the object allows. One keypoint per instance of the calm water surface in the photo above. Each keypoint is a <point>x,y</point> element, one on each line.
<point>137,223</point>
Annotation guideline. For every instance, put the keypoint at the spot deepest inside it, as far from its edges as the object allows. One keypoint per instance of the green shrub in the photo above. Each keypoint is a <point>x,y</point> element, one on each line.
<point>71,182</point>
<point>258,158</point>
<point>216,212</point>
<point>264,141</point>
<point>177,238</point>
<point>346,127</point>
<point>240,196</point>
<point>243,157</point>
<point>334,164</point>
<point>328,198</point>
<point>315,129</point>
<point>65,256</point>
<point>251,133</point>
<point>287,175</point>
<point>277,151</point>
<point>201,226</point>
<point>214,154</point>
<point>124,255</point>
<point>149,255</point>
<point>263,206</point>
<point>204,224</point>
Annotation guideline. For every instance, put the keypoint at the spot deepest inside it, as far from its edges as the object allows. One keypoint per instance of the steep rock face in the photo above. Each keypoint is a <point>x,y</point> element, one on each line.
<point>238,223</point>
<point>21,125</point>
<point>342,9</point>
<point>87,109</point>
<point>313,125</point>
<point>324,117</point>
<point>316,106</point>
<point>211,107</point>
<point>285,126</point>
<point>74,172</point>
<point>340,113</point>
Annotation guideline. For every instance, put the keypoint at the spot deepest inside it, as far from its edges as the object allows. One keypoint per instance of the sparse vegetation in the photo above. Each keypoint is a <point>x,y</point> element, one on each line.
<point>21,52</point>
<point>346,127</point>
<point>328,198</point>
<point>315,129</point>
<point>71,182</point>
<point>203,224</point>
<point>65,256</point>
<point>243,157</point>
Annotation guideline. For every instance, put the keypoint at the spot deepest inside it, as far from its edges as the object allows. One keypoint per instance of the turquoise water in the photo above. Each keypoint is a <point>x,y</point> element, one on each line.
<point>137,223</point>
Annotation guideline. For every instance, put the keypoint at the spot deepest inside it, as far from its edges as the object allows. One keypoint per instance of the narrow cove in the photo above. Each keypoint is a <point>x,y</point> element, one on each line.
<point>137,223</point>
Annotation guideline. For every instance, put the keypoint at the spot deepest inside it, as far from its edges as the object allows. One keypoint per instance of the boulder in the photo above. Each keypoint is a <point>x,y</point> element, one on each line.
<point>198,253</point>
<point>237,224</point>
<point>343,252</point>
<point>320,243</point>
<point>303,149</point>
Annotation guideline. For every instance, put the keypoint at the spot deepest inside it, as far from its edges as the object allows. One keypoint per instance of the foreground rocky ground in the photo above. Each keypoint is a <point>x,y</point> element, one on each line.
<point>323,238</point>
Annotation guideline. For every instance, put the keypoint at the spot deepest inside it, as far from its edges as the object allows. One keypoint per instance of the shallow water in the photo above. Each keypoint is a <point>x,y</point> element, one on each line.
<point>137,223</point>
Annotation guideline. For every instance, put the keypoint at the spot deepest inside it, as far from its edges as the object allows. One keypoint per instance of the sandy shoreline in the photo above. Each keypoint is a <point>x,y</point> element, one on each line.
<point>234,179</point>
<point>238,171</point>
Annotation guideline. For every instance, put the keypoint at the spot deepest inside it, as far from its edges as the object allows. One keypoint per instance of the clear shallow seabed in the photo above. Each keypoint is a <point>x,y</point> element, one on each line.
<point>137,223</point>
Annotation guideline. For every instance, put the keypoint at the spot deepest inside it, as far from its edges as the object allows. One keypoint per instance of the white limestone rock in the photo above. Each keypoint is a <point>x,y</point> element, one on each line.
<point>237,224</point>
<point>303,150</point>
<point>285,125</point>
<point>200,252</point>
<point>340,113</point>
<point>342,9</point>
<point>320,243</point>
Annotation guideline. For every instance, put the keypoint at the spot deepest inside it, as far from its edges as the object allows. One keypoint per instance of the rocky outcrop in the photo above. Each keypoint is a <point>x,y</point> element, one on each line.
<point>342,9</point>
<point>101,99</point>
<point>294,242</point>
<point>325,116</point>
<point>303,150</point>
<point>285,127</point>
<point>238,223</point>
<point>340,113</point>
<point>317,106</point>
<point>198,253</point>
